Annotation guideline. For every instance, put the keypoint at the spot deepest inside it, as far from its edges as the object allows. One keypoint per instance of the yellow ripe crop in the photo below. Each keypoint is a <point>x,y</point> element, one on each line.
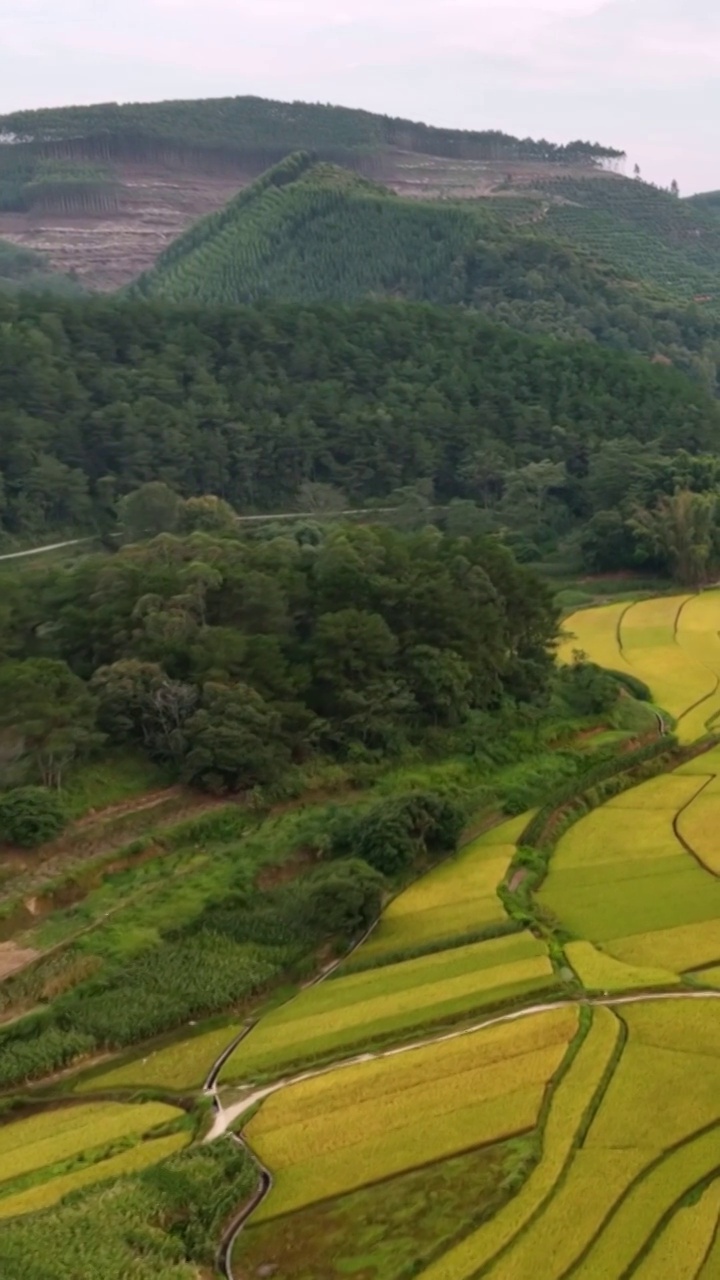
<point>681,1087</point>
<point>711,1266</point>
<point>425,1139</point>
<point>600,972</point>
<point>592,1187</point>
<point>709,977</point>
<point>686,1025</point>
<point>53,1136</point>
<point>455,898</point>
<point>416,1004</point>
<point>681,947</point>
<point>680,1251</point>
<point>342,1128</point>
<point>595,632</point>
<point>607,835</point>
<point>181,1066</point>
<point>431,1064</point>
<point>132,1161</point>
<point>699,825</point>
<point>643,1208</point>
<point>569,1103</point>
<point>405,929</point>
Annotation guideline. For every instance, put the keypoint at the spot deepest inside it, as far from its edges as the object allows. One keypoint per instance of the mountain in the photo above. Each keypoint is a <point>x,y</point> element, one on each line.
<point>103,189</point>
<point>310,231</point>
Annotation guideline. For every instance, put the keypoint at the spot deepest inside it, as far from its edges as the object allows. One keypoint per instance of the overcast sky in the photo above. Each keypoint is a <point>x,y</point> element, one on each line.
<point>642,75</point>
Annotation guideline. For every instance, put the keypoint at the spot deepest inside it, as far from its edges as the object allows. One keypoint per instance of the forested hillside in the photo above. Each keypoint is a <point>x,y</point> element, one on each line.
<point>103,189</point>
<point>646,233</point>
<point>310,231</point>
<point>254,404</point>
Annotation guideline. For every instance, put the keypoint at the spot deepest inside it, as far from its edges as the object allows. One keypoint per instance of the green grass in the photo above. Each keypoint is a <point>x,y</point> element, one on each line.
<point>118,777</point>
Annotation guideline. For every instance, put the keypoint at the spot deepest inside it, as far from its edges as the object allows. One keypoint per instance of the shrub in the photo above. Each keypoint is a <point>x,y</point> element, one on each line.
<point>393,833</point>
<point>31,815</point>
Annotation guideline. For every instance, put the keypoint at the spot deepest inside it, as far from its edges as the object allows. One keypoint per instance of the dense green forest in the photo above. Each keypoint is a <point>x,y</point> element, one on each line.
<point>310,231</point>
<point>267,130</point>
<point>254,405</point>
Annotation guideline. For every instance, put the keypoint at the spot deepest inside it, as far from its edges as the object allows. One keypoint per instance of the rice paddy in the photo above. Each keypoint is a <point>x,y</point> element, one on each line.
<point>356,1126</point>
<point>391,1001</point>
<point>453,900</point>
<point>672,643</point>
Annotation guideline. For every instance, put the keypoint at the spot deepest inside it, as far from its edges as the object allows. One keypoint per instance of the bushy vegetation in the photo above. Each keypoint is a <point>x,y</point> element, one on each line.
<point>156,1225</point>
<point>227,953</point>
<point>235,660</point>
<point>30,815</point>
<point>394,834</point>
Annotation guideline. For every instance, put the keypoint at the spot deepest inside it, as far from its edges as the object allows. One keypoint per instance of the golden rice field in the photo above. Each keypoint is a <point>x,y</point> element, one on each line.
<point>672,643</point>
<point>622,879</point>
<point>394,1000</point>
<point>453,900</point>
<point>53,1136</point>
<point>621,1150</point>
<point>357,1125</point>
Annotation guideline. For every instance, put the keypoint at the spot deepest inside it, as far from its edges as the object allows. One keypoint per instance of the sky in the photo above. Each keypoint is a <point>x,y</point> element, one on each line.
<point>642,75</point>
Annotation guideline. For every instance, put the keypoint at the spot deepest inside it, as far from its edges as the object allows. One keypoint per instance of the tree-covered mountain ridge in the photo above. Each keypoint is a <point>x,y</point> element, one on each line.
<point>308,230</point>
<point>127,179</point>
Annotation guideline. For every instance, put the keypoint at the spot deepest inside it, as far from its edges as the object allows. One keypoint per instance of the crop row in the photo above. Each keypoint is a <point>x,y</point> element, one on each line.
<point>569,1105</point>
<point>456,897</point>
<point>53,1136</point>
<point>389,1002</point>
<point>141,1156</point>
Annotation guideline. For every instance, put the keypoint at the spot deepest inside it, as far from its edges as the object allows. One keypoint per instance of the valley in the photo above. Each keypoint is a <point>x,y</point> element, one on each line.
<point>359,702</point>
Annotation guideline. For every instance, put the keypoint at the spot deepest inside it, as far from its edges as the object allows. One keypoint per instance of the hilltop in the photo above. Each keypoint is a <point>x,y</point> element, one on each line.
<point>310,231</point>
<point>103,189</point>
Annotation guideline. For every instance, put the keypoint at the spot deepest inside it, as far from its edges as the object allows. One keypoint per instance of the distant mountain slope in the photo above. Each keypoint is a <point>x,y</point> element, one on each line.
<point>261,127</point>
<point>103,189</point>
<point>309,231</point>
<point>709,201</point>
<point>647,233</point>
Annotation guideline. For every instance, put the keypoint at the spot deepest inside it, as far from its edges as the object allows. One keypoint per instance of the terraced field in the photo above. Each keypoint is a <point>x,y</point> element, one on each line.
<point>671,642</point>
<point>472,1094</point>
